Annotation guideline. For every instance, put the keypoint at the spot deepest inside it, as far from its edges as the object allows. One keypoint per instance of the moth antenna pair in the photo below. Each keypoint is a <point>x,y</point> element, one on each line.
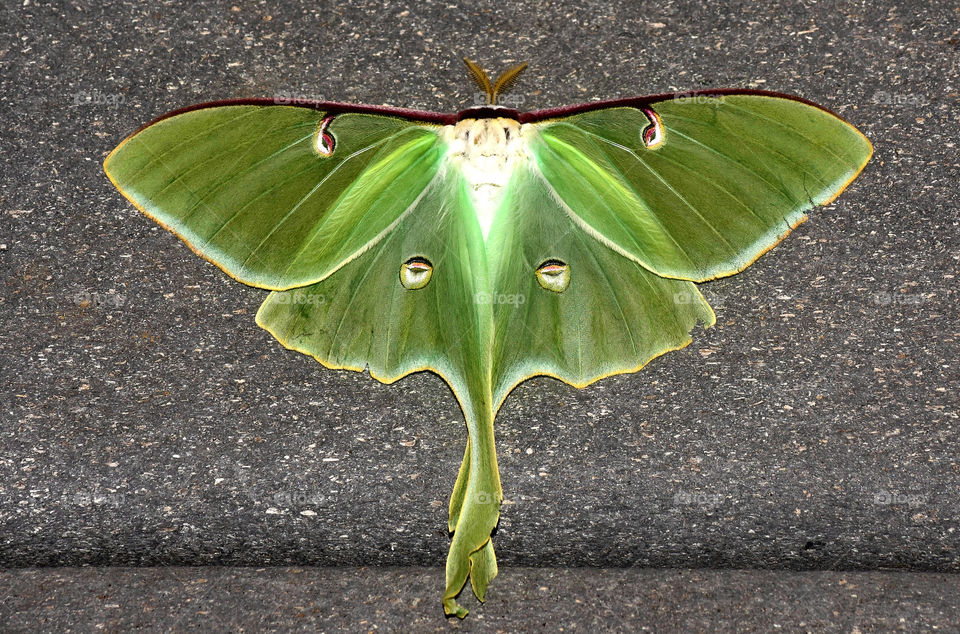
<point>495,89</point>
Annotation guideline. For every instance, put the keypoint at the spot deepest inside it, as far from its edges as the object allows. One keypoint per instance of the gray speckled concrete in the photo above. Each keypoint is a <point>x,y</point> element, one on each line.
<point>146,420</point>
<point>203,599</point>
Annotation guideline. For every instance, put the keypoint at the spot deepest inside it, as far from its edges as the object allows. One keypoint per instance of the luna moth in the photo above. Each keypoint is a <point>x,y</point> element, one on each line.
<point>490,245</point>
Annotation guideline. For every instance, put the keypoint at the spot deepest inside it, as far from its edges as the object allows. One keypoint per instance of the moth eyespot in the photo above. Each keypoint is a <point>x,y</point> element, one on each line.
<point>652,135</point>
<point>325,140</point>
<point>554,275</point>
<point>415,273</point>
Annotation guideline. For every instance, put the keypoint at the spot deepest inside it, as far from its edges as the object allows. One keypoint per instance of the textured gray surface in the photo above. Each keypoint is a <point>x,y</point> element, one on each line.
<point>520,600</point>
<point>147,420</point>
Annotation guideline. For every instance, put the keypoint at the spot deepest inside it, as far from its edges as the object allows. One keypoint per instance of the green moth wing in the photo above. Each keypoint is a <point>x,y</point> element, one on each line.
<point>252,188</point>
<point>490,245</point>
<point>613,316</point>
<point>724,179</point>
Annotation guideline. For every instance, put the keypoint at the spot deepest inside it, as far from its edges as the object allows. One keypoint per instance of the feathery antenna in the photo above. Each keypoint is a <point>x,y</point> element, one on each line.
<point>504,82</point>
<point>480,78</point>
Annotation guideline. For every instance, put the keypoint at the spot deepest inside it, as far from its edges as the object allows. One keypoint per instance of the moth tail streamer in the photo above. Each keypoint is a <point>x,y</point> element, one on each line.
<point>474,513</point>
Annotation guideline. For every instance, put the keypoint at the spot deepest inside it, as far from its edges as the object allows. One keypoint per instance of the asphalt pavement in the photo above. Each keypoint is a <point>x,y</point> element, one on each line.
<point>152,435</point>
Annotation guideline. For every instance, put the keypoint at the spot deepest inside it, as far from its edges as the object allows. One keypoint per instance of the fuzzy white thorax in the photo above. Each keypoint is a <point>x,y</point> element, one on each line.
<point>487,152</point>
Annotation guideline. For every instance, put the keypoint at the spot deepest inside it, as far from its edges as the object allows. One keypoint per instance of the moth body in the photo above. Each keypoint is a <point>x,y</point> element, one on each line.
<point>487,152</point>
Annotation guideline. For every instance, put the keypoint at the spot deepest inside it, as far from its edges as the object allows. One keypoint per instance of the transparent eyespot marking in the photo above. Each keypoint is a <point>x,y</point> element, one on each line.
<point>554,275</point>
<point>652,135</point>
<point>325,141</point>
<point>416,273</point>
